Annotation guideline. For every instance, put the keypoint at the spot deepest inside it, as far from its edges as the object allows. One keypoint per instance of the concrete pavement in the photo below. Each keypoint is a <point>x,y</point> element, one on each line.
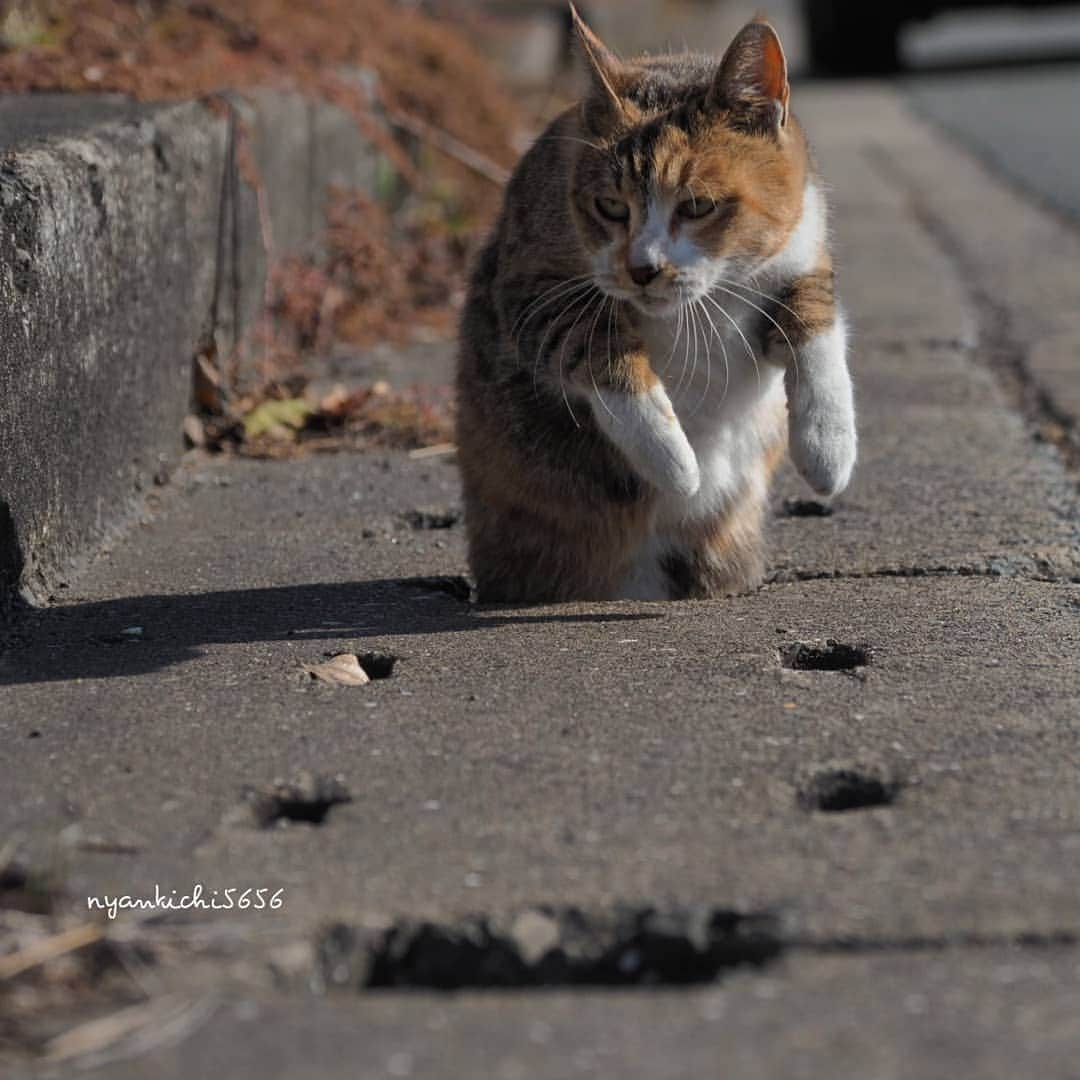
<point>599,756</point>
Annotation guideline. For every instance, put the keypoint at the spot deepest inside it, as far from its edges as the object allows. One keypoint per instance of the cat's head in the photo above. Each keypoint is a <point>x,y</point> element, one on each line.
<point>688,171</point>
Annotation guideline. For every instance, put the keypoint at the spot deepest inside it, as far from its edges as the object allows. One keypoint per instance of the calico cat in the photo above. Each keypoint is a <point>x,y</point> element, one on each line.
<point>651,323</point>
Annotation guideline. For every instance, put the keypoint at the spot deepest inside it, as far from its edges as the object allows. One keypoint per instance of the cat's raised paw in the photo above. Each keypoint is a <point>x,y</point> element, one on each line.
<point>824,451</point>
<point>644,427</point>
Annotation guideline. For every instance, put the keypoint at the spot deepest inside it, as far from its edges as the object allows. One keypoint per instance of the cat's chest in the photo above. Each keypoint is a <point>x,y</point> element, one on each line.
<point>710,362</point>
<point>727,400</point>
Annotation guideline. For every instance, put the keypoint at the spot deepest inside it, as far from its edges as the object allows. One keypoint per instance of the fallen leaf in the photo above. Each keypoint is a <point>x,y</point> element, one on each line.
<point>207,385</point>
<point>342,670</point>
<point>438,450</point>
<point>194,431</point>
<point>278,419</point>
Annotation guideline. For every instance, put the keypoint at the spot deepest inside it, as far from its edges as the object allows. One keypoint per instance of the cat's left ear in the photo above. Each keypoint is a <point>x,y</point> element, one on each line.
<point>753,79</point>
<point>606,70</point>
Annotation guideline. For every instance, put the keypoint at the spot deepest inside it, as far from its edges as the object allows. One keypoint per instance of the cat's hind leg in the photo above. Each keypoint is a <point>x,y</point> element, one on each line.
<point>720,555</point>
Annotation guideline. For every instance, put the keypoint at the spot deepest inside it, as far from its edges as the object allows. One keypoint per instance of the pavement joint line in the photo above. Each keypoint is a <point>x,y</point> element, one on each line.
<point>997,346</point>
<point>1005,568</point>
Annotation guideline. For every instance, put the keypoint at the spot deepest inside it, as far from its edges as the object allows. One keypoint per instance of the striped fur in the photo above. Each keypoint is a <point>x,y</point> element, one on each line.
<point>651,322</point>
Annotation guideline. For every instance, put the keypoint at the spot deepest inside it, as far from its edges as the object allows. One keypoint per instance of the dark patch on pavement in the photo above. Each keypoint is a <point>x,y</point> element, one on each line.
<point>837,789</point>
<point>377,665</point>
<point>308,798</point>
<point>546,947</point>
<point>451,584</point>
<point>805,508</point>
<point>824,656</point>
<point>21,890</point>
<point>423,520</point>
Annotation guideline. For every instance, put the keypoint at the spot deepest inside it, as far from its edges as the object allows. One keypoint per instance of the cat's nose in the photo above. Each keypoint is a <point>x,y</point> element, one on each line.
<point>643,274</point>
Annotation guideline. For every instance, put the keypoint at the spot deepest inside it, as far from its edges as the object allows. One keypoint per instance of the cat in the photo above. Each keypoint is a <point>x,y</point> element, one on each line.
<point>651,323</point>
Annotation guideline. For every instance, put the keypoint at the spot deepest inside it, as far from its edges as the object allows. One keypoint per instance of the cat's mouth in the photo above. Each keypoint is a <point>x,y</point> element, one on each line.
<point>661,307</point>
<point>655,305</point>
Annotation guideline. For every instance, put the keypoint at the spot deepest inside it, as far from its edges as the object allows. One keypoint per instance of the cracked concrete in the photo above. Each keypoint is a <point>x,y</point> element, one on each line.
<point>908,824</point>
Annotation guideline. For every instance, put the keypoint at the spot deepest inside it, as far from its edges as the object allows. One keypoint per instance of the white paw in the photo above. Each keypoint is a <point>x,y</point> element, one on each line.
<point>821,413</point>
<point>644,427</point>
<point>824,449</point>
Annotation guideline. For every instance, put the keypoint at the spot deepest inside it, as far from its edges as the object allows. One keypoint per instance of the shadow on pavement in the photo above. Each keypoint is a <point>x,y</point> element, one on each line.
<point>141,634</point>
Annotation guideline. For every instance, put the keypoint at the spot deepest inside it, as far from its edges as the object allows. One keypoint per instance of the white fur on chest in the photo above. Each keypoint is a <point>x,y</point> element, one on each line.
<point>727,401</point>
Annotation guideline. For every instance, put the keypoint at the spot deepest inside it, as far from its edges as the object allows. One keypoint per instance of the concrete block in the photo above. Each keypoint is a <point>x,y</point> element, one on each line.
<point>108,253</point>
<point>131,238</point>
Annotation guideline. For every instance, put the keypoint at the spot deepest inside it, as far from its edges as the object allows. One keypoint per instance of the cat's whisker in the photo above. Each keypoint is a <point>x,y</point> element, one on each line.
<point>762,311</point>
<point>563,312</point>
<point>592,373</point>
<point>699,331</point>
<point>605,150</point>
<point>723,353</point>
<point>564,291</point>
<point>544,299</point>
<point>686,350</point>
<point>715,334</point>
<point>693,369</point>
<point>573,297</point>
<point>708,189</point>
<point>764,295</point>
<point>586,306</point>
<point>546,296</point>
<point>693,307</point>
<point>675,339</point>
<point>738,329</point>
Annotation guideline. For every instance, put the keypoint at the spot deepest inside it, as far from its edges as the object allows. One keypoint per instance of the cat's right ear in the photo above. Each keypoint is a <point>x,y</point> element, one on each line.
<point>606,73</point>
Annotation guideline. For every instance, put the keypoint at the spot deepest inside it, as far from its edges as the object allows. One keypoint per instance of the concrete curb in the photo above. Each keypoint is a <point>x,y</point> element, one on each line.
<point>130,240</point>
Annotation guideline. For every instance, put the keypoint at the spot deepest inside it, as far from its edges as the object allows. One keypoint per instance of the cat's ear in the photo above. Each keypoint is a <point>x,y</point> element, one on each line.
<point>606,74</point>
<point>752,80</point>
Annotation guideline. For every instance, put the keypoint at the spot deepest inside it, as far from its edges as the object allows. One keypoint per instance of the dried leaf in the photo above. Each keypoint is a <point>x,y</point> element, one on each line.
<point>278,419</point>
<point>207,385</point>
<point>342,670</point>
<point>137,1029</point>
<point>194,431</point>
<point>77,937</point>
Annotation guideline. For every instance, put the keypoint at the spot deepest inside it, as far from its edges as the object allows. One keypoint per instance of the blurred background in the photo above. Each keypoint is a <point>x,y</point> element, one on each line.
<point>1004,78</point>
<point>454,91</point>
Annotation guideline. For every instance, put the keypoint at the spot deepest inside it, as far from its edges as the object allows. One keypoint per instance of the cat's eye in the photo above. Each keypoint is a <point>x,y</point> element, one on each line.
<point>613,209</point>
<point>695,209</point>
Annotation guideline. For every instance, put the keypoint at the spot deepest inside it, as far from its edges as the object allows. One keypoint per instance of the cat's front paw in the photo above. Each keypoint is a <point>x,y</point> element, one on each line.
<point>823,448</point>
<point>645,428</point>
<point>821,412</point>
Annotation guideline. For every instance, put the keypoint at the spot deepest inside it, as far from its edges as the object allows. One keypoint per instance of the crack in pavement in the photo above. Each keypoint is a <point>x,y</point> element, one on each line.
<point>570,948</point>
<point>1006,566</point>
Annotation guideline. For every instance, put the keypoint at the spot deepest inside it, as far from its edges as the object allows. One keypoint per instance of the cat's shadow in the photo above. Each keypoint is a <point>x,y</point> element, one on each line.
<point>143,634</point>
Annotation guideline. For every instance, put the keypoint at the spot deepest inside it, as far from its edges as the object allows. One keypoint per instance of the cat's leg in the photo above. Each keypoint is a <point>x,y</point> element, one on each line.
<point>589,351</point>
<point>634,411</point>
<point>722,551</point>
<point>718,555</point>
<point>821,408</point>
